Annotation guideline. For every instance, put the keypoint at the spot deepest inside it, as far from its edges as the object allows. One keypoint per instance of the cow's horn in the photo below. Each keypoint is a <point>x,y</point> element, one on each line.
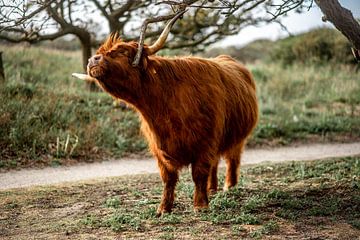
<point>84,77</point>
<point>161,40</point>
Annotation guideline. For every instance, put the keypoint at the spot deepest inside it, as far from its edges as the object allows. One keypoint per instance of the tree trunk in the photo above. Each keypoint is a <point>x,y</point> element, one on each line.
<point>343,20</point>
<point>2,72</point>
<point>113,25</point>
<point>86,54</point>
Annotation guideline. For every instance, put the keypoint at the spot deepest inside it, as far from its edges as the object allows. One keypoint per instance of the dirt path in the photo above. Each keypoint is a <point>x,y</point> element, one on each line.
<point>50,175</point>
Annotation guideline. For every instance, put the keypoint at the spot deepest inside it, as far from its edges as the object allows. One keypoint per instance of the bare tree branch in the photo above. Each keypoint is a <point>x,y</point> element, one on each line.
<point>143,30</point>
<point>343,20</point>
<point>205,23</point>
<point>7,18</point>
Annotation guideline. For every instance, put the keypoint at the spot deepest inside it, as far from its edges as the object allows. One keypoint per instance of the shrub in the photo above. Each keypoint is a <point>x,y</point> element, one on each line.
<point>317,46</point>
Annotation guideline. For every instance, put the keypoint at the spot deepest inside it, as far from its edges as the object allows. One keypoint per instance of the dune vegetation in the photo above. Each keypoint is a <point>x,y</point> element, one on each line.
<point>49,118</point>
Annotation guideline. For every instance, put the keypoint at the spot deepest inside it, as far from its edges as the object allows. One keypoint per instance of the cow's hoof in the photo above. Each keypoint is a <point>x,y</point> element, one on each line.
<point>227,187</point>
<point>212,192</point>
<point>161,211</point>
<point>201,209</point>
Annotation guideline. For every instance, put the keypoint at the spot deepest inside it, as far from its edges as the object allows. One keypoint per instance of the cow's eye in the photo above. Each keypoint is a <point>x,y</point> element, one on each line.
<point>123,52</point>
<point>118,53</point>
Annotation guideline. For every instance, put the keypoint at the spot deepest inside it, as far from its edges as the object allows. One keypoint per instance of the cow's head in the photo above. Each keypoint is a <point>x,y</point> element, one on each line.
<point>113,65</point>
<point>113,58</point>
<point>116,58</point>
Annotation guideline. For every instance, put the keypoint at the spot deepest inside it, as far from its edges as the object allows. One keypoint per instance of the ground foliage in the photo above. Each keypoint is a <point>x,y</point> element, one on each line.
<point>298,200</point>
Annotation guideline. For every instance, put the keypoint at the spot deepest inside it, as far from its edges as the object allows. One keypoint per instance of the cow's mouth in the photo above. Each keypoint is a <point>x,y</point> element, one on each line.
<point>94,68</point>
<point>95,71</point>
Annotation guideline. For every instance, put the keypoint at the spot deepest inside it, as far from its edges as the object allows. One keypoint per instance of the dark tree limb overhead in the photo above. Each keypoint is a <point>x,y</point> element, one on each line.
<point>143,29</point>
<point>343,20</point>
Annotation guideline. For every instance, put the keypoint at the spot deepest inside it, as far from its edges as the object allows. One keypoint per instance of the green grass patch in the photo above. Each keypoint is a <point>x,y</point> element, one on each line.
<point>317,203</point>
<point>299,101</point>
<point>47,117</point>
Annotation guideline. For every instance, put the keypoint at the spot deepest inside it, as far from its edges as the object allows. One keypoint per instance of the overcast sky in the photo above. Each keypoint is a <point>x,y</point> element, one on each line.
<point>295,23</point>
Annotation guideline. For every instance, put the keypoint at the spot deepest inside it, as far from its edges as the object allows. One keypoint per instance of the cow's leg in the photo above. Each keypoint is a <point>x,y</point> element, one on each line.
<point>212,184</point>
<point>169,176</point>
<point>232,158</point>
<point>200,174</point>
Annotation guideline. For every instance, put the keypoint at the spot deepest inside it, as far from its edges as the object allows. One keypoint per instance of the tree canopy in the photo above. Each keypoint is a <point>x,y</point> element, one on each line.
<point>205,22</point>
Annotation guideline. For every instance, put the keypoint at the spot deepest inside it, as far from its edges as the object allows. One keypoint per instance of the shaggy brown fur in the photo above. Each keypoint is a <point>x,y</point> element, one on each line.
<point>193,111</point>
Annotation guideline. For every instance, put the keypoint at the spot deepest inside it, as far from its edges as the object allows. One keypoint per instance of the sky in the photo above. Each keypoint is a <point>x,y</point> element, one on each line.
<point>295,23</point>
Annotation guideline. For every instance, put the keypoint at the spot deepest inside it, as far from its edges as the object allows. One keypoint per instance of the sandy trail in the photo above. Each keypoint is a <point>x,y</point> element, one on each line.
<point>51,175</point>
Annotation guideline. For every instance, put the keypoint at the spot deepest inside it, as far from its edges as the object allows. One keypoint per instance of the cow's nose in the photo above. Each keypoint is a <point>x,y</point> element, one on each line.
<point>94,60</point>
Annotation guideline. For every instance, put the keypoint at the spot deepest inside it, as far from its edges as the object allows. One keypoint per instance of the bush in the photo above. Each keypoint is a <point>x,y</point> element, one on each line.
<point>254,51</point>
<point>317,46</point>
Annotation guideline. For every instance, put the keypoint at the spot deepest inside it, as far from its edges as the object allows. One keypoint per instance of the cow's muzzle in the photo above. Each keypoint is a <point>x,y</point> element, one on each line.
<point>94,60</point>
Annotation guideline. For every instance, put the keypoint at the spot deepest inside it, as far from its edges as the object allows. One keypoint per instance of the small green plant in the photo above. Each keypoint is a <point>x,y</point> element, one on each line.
<point>168,228</point>
<point>355,223</point>
<point>113,202</point>
<point>91,221</point>
<point>327,208</point>
<point>119,221</point>
<point>137,193</point>
<point>170,218</point>
<point>223,201</point>
<point>253,203</point>
<point>12,205</point>
<point>148,213</point>
<point>167,236</point>
<point>267,228</point>
<point>245,218</point>
<point>187,188</point>
<point>237,229</point>
<point>278,194</point>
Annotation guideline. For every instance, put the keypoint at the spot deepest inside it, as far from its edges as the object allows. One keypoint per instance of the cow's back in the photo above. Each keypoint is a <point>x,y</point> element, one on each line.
<point>241,102</point>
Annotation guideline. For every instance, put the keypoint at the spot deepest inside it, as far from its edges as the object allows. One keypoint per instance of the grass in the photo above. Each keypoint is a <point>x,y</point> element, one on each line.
<point>298,200</point>
<point>48,118</point>
<point>299,102</point>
